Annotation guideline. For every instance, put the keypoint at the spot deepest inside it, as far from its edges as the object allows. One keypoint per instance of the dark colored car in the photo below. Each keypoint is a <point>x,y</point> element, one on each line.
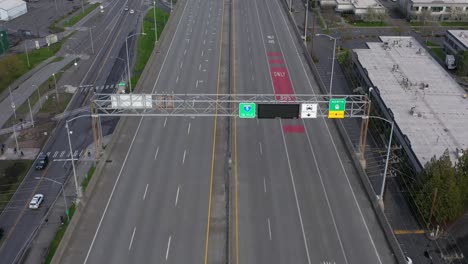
<point>41,162</point>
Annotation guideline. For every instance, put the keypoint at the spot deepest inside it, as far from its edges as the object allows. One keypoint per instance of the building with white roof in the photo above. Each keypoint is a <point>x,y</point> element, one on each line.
<point>456,41</point>
<point>429,107</point>
<point>358,7</point>
<point>438,9</point>
<point>11,9</point>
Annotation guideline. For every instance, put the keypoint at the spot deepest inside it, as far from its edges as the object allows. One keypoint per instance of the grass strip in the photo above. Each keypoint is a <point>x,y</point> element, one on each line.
<point>88,177</point>
<point>14,66</point>
<point>454,23</point>
<point>59,235</point>
<point>72,21</point>
<point>22,112</point>
<point>146,43</point>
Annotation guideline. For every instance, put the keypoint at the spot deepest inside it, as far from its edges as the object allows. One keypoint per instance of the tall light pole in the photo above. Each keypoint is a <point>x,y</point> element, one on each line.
<point>155,24</point>
<point>39,94</point>
<point>171,6</point>
<point>290,6</point>
<point>91,35</point>
<point>30,112</point>
<point>63,192</point>
<point>56,91</point>
<point>305,22</point>
<point>13,106</point>
<point>333,59</point>
<point>77,187</point>
<point>382,188</point>
<point>27,55</point>
<point>128,61</point>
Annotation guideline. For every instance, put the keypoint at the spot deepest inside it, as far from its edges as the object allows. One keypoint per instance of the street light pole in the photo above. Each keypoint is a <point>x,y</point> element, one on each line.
<point>27,55</point>
<point>91,35</point>
<point>155,24</point>
<point>78,191</point>
<point>12,102</point>
<point>30,112</point>
<point>333,60</point>
<point>290,6</point>
<point>39,94</point>
<point>128,60</point>
<point>63,193</point>
<point>56,90</point>
<point>305,22</point>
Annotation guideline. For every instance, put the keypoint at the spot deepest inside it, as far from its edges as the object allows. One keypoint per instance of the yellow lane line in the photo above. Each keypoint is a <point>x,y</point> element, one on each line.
<point>214,140</point>
<point>407,232</point>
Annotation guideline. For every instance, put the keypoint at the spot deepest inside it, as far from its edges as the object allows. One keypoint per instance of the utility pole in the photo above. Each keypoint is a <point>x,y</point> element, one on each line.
<point>305,22</point>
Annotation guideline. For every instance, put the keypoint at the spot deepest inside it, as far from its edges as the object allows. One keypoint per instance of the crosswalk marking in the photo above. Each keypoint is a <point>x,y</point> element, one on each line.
<point>55,154</point>
<point>62,153</point>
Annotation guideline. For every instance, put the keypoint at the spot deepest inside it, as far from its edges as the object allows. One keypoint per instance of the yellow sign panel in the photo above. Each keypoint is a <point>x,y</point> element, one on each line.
<point>336,114</point>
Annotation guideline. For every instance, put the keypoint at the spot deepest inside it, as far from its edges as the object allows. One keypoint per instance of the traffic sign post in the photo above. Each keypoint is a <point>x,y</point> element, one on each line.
<point>247,110</point>
<point>336,108</point>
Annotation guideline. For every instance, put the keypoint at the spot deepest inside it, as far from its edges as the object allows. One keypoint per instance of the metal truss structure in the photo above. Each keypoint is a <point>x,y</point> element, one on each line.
<point>213,104</point>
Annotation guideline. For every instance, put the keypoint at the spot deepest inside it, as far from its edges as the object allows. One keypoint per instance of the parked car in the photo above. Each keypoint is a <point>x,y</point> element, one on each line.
<point>36,201</point>
<point>41,162</point>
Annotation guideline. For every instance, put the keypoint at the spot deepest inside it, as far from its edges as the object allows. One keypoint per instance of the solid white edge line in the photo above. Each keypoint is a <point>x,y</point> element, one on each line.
<point>146,190</point>
<point>128,152</point>
<point>156,155</point>
<point>131,240</point>
<point>112,193</point>
<point>295,194</point>
<point>334,145</point>
<point>286,148</point>
<point>269,227</point>
<point>168,247</point>
<point>177,195</point>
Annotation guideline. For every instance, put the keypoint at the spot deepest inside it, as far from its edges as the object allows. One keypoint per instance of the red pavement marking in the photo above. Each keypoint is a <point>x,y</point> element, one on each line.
<point>274,54</point>
<point>282,84</point>
<point>293,129</point>
<point>276,62</point>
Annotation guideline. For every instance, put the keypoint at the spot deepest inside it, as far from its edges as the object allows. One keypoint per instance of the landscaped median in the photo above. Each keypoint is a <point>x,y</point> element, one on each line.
<point>76,16</point>
<point>147,42</point>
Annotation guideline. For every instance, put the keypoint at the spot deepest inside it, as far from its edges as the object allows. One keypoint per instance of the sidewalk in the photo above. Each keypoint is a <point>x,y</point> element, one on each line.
<point>29,86</point>
<point>39,247</point>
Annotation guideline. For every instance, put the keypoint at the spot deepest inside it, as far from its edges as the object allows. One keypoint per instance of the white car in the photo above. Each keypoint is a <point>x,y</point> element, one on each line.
<point>126,8</point>
<point>36,201</point>
<point>132,11</point>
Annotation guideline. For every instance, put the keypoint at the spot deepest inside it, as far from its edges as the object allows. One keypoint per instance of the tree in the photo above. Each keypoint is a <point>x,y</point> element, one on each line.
<point>440,174</point>
<point>462,63</point>
<point>462,178</point>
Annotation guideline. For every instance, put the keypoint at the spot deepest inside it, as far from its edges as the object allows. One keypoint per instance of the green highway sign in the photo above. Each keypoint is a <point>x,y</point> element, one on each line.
<point>338,104</point>
<point>121,84</point>
<point>247,110</point>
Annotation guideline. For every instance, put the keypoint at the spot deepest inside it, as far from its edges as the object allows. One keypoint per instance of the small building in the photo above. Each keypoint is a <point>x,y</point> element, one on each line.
<point>11,9</point>
<point>456,41</point>
<point>452,10</point>
<point>357,7</point>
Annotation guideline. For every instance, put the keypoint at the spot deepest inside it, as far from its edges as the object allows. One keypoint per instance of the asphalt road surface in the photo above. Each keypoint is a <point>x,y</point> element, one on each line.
<point>300,200</point>
<point>156,200</point>
<point>110,31</point>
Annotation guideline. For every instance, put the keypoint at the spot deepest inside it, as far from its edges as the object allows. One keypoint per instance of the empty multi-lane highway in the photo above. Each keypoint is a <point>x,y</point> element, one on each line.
<point>296,197</point>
